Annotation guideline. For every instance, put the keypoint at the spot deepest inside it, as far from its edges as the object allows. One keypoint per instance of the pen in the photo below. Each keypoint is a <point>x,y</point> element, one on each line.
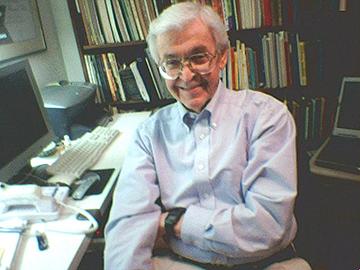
<point>42,240</point>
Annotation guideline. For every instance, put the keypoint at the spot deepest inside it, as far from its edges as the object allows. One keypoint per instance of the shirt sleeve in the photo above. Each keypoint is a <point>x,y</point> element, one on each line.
<point>263,221</point>
<point>134,217</point>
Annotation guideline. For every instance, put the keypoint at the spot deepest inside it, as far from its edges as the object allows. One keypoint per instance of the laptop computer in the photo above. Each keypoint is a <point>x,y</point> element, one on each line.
<point>341,151</point>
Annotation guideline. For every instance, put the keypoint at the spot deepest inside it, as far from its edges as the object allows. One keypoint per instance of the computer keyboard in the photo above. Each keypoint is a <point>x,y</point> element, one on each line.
<point>81,155</point>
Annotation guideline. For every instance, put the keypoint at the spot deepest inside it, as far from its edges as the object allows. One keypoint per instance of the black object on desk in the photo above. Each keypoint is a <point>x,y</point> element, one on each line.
<point>341,150</point>
<point>82,187</point>
<point>340,154</point>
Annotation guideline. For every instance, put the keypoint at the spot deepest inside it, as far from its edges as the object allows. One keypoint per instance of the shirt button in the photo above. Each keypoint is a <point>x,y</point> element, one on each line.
<point>202,136</point>
<point>201,167</point>
<point>213,124</point>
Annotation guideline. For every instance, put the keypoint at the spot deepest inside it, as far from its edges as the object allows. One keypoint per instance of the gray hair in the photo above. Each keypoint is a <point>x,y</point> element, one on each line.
<point>175,17</point>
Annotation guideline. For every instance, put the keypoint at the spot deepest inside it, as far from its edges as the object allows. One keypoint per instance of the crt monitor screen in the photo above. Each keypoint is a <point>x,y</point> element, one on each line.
<point>23,123</point>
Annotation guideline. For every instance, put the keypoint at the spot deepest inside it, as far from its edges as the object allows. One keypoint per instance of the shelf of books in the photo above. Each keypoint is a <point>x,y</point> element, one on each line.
<point>276,46</point>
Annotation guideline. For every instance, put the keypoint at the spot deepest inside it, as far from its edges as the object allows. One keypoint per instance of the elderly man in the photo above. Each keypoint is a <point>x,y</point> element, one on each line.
<point>222,164</point>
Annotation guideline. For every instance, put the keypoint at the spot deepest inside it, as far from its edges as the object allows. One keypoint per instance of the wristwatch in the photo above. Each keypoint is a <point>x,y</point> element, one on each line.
<point>172,218</point>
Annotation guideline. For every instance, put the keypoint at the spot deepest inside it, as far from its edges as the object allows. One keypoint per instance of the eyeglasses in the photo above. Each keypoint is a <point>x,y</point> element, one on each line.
<point>201,63</point>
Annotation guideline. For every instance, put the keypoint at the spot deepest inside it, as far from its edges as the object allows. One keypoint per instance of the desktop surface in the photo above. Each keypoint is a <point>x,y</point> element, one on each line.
<point>66,250</point>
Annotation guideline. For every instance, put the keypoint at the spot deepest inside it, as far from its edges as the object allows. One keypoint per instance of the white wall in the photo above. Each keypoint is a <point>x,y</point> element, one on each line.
<point>48,66</point>
<point>61,59</point>
<point>67,40</point>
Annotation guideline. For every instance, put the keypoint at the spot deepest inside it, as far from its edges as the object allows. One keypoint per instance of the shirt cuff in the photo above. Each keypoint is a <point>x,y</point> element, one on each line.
<point>195,223</point>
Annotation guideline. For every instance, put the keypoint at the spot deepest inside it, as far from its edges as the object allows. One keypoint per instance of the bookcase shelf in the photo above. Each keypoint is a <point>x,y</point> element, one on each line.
<point>115,47</point>
<point>331,48</point>
<point>141,106</point>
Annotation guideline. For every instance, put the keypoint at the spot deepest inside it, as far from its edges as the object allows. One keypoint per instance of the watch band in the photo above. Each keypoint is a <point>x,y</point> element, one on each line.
<point>172,218</point>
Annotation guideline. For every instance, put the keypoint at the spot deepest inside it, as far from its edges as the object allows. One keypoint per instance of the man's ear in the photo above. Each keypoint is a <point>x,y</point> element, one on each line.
<point>223,59</point>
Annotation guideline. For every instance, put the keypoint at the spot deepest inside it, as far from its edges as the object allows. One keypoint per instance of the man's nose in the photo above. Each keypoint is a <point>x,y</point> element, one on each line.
<point>186,73</point>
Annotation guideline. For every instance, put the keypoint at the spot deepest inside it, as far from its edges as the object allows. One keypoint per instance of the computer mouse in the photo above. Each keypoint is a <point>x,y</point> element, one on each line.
<point>85,183</point>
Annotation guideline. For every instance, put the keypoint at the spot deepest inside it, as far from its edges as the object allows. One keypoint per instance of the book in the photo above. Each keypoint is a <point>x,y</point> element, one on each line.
<point>164,92</point>
<point>102,77</point>
<point>141,16</point>
<point>237,11</point>
<point>281,59</point>
<point>104,21</point>
<point>146,77</point>
<point>93,76</point>
<point>227,77</point>
<point>129,19</point>
<point>111,15</point>
<point>91,22</point>
<point>243,68</point>
<point>139,81</point>
<point>293,40</point>
<point>302,63</point>
<point>229,14</point>
<point>129,84</point>
<point>251,56</point>
<point>232,80</point>
<point>135,16</point>
<point>258,13</point>
<point>289,69</point>
<point>342,5</point>
<point>119,16</point>
<point>110,77</point>
<point>274,82</point>
<point>150,10</point>
<point>267,16</point>
<point>86,18</point>
<point>266,61</point>
<point>115,71</point>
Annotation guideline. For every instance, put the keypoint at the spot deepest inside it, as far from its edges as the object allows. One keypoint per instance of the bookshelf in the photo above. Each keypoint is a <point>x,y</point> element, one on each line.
<point>96,62</point>
<point>332,51</point>
<point>313,37</point>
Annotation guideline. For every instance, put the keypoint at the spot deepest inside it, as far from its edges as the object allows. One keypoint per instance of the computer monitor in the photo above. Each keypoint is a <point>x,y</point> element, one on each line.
<point>24,126</point>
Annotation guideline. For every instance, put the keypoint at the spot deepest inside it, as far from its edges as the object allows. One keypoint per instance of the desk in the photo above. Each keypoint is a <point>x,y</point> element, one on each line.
<point>66,250</point>
<point>330,172</point>
<point>330,217</point>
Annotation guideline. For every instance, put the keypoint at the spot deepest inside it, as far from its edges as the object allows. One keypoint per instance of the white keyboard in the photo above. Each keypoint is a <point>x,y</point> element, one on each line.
<point>81,155</point>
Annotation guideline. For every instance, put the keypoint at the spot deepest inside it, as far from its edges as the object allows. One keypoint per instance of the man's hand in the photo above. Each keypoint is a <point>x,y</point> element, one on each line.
<point>161,234</point>
<point>177,227</point>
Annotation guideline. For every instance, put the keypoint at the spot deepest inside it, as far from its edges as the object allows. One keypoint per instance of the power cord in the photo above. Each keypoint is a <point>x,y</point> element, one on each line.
<point>94,224</point>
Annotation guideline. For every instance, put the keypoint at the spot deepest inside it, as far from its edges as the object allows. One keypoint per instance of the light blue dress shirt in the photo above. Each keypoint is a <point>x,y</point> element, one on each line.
<point>232,166</point>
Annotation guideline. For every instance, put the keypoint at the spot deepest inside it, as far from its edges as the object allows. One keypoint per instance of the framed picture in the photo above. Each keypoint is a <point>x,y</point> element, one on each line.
<point>20,29</point>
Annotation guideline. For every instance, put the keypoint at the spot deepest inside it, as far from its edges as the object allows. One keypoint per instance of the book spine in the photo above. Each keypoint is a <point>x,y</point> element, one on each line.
<point>136,19</point>
<point>111,15</point>
<point>139,81</point>
<point>104,21</point>
<point>129,19</point>
<point>119,17</point>
<point>302,63</point>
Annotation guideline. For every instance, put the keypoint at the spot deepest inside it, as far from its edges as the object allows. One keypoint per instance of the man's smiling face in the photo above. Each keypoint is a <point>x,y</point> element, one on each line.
<point>193,90</point>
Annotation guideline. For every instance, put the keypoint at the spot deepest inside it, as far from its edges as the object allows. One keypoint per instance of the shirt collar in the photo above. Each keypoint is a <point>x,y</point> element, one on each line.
<point>210,109</point>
